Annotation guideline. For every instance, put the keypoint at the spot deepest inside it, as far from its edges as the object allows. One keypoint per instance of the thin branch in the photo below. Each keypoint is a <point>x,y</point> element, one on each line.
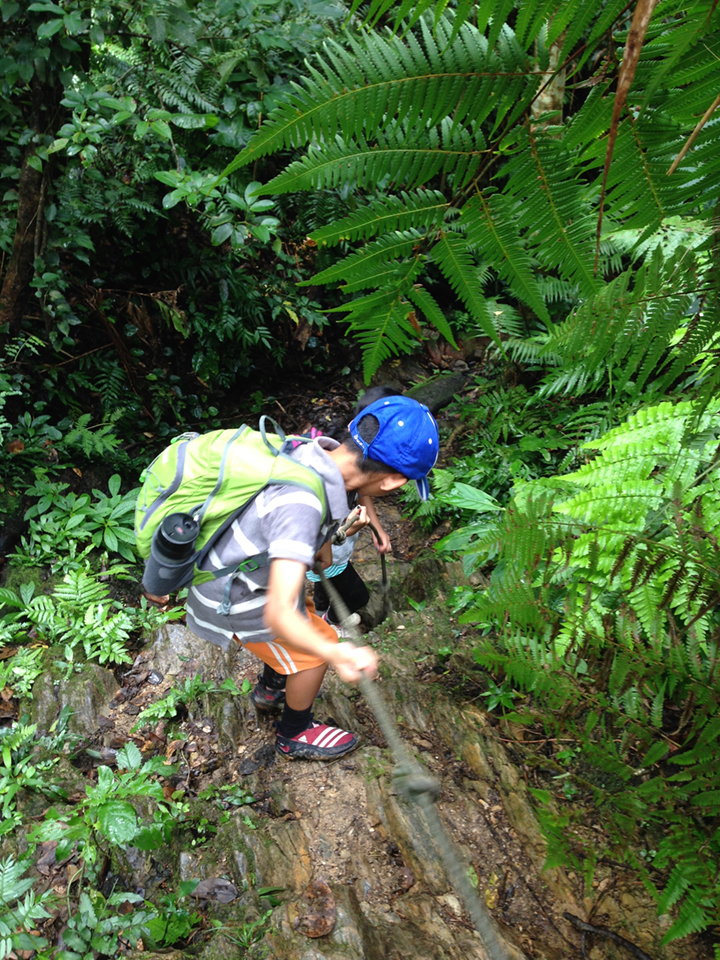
<point>86,354</point>
<point>586,928</point>
<point>693,136</point>
<point>633,46</point>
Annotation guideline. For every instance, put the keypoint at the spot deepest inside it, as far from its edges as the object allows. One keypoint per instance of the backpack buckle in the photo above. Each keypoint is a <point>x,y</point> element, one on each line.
<point>249,566</point>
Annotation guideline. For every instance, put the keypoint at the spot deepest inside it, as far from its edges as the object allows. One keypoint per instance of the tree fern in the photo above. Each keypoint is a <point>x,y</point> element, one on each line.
<point>370,84</point>
<point>445,102</point>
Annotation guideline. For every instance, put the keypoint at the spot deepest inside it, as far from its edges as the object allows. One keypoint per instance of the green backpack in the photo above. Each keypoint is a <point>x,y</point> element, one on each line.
<point>196,488</point>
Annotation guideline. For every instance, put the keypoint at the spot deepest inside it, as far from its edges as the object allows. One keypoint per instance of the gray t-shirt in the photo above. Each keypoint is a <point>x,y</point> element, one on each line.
<point>285,522</point>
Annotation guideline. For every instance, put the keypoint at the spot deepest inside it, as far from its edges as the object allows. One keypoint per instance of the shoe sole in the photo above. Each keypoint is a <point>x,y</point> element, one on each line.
<point>303,755</point>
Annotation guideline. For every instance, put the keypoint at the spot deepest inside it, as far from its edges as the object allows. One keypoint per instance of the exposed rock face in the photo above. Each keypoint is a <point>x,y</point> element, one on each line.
<point>87,693</point>
<point>175,650</point>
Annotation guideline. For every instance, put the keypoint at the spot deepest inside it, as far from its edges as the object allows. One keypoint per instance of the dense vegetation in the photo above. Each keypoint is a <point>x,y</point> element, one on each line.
<point>186,198</point>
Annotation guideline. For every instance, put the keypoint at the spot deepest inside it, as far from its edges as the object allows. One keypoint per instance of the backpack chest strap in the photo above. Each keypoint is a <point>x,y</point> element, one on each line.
<point>248,565</point>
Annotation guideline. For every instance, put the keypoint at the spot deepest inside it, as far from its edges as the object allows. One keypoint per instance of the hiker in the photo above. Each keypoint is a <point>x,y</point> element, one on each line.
<point>345,578</point>
<point>391,441</point>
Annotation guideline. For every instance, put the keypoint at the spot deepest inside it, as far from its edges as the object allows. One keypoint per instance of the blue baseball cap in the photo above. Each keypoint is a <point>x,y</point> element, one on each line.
<point>407,439</point>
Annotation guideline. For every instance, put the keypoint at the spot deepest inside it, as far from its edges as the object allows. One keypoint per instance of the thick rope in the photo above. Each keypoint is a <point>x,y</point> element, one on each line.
<point>416,785</point>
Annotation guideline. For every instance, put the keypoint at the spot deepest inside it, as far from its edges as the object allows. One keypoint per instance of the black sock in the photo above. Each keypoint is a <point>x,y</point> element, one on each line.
<point>272,679</point>
<point>294,722</point>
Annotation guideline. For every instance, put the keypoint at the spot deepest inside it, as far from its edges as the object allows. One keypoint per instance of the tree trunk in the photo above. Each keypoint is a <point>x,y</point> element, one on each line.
<point>19,273</point>
<point>552,97</point>
<point>28,232</point>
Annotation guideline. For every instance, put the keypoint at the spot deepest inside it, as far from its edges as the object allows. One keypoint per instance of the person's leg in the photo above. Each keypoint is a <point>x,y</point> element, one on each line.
<point>320,598</point>
<point>272,679</point>
<point>298,735</point>
<point>351,587</point>
<point>302,688</point>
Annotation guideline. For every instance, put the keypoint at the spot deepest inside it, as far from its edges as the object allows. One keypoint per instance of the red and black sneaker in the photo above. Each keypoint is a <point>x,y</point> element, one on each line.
<point>265,698</point>
<point>319,742</point>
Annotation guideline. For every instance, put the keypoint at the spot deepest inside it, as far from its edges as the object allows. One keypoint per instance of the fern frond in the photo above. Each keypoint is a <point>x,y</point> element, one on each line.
<point>554,209</point>
<point>426,303</point>
<point>380,322</point>
<point>370,84</point>
<point>493,230</point>
<point>454,257</point>
<point>400,155</point>
<point>420,211</point>
<point>368,261</point>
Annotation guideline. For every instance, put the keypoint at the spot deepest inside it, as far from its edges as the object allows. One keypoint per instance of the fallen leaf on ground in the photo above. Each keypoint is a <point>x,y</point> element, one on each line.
<point>216,888</point>
<point>320,915</point>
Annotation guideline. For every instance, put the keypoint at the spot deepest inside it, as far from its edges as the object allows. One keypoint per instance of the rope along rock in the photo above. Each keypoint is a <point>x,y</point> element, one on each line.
<point>416,785</point>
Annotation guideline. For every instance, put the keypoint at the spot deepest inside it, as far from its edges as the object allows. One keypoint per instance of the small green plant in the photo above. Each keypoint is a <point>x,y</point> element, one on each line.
<point>499,696</point>
<point>417,605</point>
<point>105,817</point>
<point>103,524</point>
<point>227,795</point>
<point>96,929</point>
<point>248,934</point>
<point>20,671</point>
<point>174,922</point>
<point>30,444</point>
<point>20,909</point>
<point>21,769</point>
<point>78,615</point>
<point>189,691</point>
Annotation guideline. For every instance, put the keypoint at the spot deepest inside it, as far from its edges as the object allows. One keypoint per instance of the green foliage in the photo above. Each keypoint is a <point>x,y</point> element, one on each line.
<point>105,523</point>
<point>20,671</point>
<point>188,692</point>
<point>498,696</point>
<point>78,616</point>
<point>174,922</point>
<point>446,107</point>
<point>20,909</point>
<point>95,928</point>
<point>603,603</point>
<point>106,817</point>
<point>20,770</point>
<point>144,274</point>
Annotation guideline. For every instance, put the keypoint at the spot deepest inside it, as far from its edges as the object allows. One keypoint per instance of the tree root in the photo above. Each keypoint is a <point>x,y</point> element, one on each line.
<point>586,928</point>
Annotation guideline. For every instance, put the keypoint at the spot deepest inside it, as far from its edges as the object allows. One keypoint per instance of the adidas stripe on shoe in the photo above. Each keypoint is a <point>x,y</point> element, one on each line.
<point>319,742</point>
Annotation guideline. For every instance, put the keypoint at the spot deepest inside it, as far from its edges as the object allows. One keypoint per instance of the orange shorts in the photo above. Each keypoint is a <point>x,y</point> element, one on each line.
<point>286,659</point>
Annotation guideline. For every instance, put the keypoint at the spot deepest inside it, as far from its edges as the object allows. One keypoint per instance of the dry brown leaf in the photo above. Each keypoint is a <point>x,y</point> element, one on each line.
<point>320,911</point>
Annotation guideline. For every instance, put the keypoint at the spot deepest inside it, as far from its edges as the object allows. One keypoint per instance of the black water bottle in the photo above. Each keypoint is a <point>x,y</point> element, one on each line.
<point>176,537</point>
<point>172,555</point>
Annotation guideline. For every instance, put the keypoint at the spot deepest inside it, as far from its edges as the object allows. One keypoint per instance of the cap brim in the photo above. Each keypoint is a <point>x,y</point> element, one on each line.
<point>423,488</point>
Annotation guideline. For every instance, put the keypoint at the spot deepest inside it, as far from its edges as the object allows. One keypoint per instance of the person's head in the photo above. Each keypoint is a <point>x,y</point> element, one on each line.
<point>372,394</point>
<point>395,436</point>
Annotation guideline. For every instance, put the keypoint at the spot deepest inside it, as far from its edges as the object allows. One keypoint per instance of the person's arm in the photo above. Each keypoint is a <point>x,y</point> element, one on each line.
<point>324,555</point>
<point>286,622</point>
<point>384,545</point>
<point>361,521</point>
